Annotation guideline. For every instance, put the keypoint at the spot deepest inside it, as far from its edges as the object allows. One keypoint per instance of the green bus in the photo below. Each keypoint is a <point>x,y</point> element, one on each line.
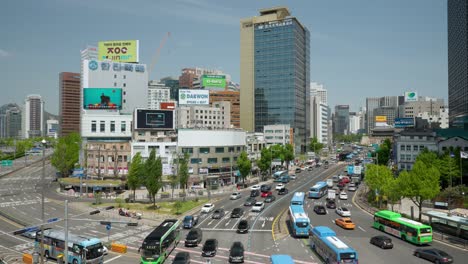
<point>404,228</point>
<point>160,242</point>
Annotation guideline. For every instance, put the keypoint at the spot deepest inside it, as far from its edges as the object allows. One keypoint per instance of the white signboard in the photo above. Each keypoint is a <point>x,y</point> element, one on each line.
<point>357,169</point>
<point>194,97</point>
<point>411,96</point>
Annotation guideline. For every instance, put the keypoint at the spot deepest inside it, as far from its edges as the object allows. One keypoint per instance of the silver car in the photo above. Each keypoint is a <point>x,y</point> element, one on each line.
<point>235,196</point>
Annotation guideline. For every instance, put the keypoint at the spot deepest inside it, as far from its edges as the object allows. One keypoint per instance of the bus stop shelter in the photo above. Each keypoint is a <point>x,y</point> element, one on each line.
<point>458,223</point>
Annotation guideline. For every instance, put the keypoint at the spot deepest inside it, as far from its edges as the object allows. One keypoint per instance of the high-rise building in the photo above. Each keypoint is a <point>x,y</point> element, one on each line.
<point>215,117</point>
<point>10,121</point>
<point>173,84</point>
<point>233,98</point>
<point>430,105</point>
<point>354,122</point>
<point>319,119</point>
<point>33,116</point>
<point>457,15</point>
<point>157,93</point>
<point>318,90</point>
<point>275,73</point>
<point>341,126</point>
<point>382,106</point>
<point>69,103</point>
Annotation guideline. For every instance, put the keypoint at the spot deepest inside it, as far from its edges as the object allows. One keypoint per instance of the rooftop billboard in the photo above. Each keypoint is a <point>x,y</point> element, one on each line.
<point>102,98</point>
<point>214,81</point>
<point>194,97</point>
<point>154,119</point>
<point>380,119</point>
<point>411,96</point>
<point>118,50</point>
<point>404,122</point>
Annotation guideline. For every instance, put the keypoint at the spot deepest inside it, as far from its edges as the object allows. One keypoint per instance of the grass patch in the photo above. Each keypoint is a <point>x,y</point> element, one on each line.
<point>91,182</point>
<point>166,208</point>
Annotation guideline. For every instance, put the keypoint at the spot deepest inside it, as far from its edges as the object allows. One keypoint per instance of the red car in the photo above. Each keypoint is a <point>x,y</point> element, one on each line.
<point>345,180</point>
<point>265,194</point>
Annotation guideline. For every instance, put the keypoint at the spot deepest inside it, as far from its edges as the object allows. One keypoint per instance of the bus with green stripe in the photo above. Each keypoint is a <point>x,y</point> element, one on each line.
<point>404,228</point>
<point>159,244</point>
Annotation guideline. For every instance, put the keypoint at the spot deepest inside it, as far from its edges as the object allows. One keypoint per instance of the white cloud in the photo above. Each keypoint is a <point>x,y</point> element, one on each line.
<point>4,53</point>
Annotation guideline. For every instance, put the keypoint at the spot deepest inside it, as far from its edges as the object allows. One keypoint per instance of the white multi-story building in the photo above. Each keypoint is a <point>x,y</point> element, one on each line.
<point>107,126</point>
<point>354,124</point>
<point>317,89</point>
<point>278,134</point>
<point>33,116</point>
<point>157,94</point>
<point>198,116</point>
<point>319,119</point>
<point>255,144</point>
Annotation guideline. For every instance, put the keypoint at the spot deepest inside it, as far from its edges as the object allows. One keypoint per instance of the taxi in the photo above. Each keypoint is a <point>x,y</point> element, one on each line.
<point>345,223</point>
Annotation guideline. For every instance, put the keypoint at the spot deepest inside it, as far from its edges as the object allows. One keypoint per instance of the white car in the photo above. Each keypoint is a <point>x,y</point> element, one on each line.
<point>258,207</point>
<point>351,188</point>
<point>342,211</point>
<point>279,186</point>
<point>235,196</point>
<point>292,176</point>
<point>207,208</point>
<point>255,187</point>
<point>343,196</point>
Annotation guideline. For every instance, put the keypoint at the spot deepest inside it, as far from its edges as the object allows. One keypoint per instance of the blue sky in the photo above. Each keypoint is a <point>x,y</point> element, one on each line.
<point>359,48</point>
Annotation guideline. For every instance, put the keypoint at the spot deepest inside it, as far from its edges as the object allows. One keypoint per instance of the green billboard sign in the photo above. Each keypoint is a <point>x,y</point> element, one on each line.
<point>7,163</point>
<point>214,81</point>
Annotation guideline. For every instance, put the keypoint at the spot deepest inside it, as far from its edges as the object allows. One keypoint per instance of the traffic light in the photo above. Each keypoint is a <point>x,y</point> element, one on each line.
<point>94,212</point>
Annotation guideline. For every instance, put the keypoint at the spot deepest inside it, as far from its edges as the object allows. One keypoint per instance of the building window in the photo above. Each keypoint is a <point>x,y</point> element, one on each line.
<point>226,160</point>
<point>415,147</point>
<point>123,126</point>
<point>408,148</point>
<point>119,158</point>
<point>219,150</point>
<point>204,150</point>
<point>102,126</point>
<point>187,150</point>
<point>195,161</point>
<point>421,147</point>
<point>112,127</point>
<point>115,76</point>
<point>93,126</point>
<point>124,85</point>
<point>231,149</point>
<point>115,84</point>
<point>125,158</point>
<point>212,160</point>
<point>402,147</point>
<point>238,149</point>
<point>125,76</point>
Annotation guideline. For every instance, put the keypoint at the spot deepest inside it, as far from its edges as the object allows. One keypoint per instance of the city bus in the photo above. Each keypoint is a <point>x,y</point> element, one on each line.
<point>318,190</point>
<point>81,249</point>
<point>298,198</point>
<point>160,242</point>
<point>280,174</point>
<point>281,259</point>
<point>330,248</point>
<point>299,221</point>
<point>404,228</point>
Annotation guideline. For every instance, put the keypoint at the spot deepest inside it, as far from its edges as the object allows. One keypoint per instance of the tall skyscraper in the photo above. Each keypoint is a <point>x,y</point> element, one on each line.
<point>275,73</point>
<point>457,15</point>
<point>69,103</point>
<point>10,121</point>
<point>33,121</point>
<point>341,120</point>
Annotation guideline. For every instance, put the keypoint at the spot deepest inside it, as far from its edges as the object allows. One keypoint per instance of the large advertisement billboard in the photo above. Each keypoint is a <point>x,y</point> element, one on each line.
<point>102,98</point>
<point>404,122</point>
<point>214,81</point>
<point>118,50</point>
<point>411,96</point>
<point>380,119</point>
<point>194,97</point>
<point>154,119</point>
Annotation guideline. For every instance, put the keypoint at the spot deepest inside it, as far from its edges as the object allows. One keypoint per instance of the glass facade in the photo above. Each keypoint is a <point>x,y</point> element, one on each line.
<point>282,77</point>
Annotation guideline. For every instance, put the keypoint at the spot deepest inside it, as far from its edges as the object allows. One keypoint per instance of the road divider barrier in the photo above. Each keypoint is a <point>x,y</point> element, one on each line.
<point>119,248</point>
<point>27,258</point>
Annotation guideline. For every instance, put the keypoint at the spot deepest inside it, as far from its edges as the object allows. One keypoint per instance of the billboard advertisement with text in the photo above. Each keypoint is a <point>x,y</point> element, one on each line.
<point>214,81</point>
<point>404,122</point>
<point>411,96</point>
<point>194,97</point>
<point>118,50</point>
<point>154,119</point>
<point>380,119</point>
<point>102,98</point>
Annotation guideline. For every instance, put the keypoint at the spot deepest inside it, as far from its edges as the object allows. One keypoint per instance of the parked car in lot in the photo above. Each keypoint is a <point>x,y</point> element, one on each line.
<point>270,198</point>
<point>181,258</point>
<point>343,211</point>
<point>258,207</point>
<point>382,241</point>
<point>194,237</point>
<point>320,209</point>
<point>210,248</point>
<point>345,223</point>
<point>265,194</point>
<point>254,193</point>
<point>236,253</point>
<point>433,255</point>
<point>235,196</point>
<point>243,227</point>
<point>283,191</point>
<point>218,214</point>
<point>343,196</point>
<point>250,201</point>
<point>190,221</point>
<point>279,186</point>
<point>331,204</point>
<point>255,187</point>
<point>207,208</point>
<point>237,212</point>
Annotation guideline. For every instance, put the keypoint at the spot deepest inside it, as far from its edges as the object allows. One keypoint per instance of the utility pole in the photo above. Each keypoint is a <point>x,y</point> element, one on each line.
<point>42,200</point>
<point>66,232</point>
<point>232,178</point>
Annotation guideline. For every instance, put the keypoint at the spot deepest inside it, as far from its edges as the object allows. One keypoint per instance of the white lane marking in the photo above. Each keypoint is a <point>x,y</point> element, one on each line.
<point>361,228</point>
<point>263,225</point>
<point>116,257</point>
<point>53,208</point>
<point>227,223</point>
<point>209,223</point>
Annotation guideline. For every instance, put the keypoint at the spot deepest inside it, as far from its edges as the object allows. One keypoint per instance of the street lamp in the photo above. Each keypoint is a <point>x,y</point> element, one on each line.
<point>42,200</point>
<point>232,177</point>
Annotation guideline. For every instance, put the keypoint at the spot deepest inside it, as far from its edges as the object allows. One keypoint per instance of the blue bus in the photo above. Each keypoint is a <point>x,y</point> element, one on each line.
<point>299,221</point>
<point>281,259</point>
<point>279,174</point>
<point>298,198</point>
<point>332,250</point>
<point>81,249</point>
<point>318,190</point>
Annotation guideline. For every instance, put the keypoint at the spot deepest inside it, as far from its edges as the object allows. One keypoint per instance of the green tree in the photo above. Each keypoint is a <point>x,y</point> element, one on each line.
<point>449,170</point>
<point>383,153</point>
<point>393,191</point>
<point>244,165</point>
<point>153,181</point>
<point>277,152</point>
<point>419,184</point>
<point>66,153</point>
<point>264,163</point>
<point>316,146</point>
<point>177,206</point>
<point>183,173</point>
<point>378,178</point>
<point>288,154</point>
<point>135,172</point>
<point>429,158</point>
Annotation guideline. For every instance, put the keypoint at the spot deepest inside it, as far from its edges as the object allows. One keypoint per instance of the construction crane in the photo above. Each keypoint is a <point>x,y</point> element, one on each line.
<point>156,55</point>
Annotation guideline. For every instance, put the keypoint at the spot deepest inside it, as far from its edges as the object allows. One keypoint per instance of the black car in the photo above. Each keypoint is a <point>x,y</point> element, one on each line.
<point>236,253</point>
<point>434,255</point>
<point>254,193</point>
<point>243,227</point>
<point>194,237</point>
<point>250,201</point>
<point>382,241</point>
<point>210,248</point>
<point>298,170</point>
<point>237,212</point>
<point>283,191</point>
<point>218,214</point>
<point>270,198</point>
<point>265,188</point>
<point>320,209</point>
<point>181,258</point>
<point>331,204</point>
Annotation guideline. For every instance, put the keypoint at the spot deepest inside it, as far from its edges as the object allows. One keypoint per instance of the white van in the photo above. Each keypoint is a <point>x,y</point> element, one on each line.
<point>330,183</point>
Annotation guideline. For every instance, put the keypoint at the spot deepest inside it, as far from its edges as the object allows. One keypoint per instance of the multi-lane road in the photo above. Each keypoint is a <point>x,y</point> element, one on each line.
<point>20,201</point>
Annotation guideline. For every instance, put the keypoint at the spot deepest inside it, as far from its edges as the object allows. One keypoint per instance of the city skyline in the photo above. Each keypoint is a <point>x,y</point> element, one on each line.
<point>378,49</point>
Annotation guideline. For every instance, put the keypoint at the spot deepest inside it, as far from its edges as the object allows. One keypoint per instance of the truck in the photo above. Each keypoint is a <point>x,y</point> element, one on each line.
<point>330,183</point>
<point>331,194</point>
